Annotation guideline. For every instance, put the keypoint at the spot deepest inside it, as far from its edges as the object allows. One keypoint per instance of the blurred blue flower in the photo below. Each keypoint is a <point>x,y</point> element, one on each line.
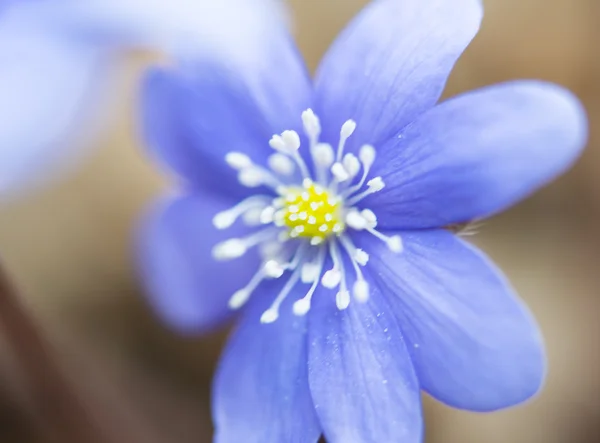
<point>331,233</point>
<point>57,57</point>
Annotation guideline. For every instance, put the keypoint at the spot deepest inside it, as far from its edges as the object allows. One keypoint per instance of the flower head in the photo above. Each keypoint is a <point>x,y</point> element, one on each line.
<point>319,208</point>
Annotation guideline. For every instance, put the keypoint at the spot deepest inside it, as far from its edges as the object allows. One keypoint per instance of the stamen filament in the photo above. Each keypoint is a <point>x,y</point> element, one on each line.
<point>272,314</point>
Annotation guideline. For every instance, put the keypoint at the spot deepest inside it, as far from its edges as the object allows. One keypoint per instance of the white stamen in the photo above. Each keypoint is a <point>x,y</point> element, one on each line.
<point>342,299</point>
<point>224,220</point>
<point>238,161</point>
<point>331,278</point>
<point>310,272</point>
<point>267,215</point>
<point>367,155</point>
<point>395,243</point>
<point>369,216</point>
<point>251,177</point>
<point>281,164</point>
<point>347,130</point>
<point>351,165</point>
<point>274,269</point>
<point>252,216</point>
<point>355,220</point>
<point>272,314</point>
<point>361,257</point>
<point>291,140</point>
<point>376,184</point>
<point>239,298</point>
<point>312,125</point>
<point>361,290</point>
<point>339,172</point>
<point>229,249</point>
<point>278,143</point>
<point>302,306</point>
<point>323,155</point>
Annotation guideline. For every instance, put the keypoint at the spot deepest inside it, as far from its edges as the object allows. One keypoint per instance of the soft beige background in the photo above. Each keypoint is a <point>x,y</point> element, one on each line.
<point>69,245</point>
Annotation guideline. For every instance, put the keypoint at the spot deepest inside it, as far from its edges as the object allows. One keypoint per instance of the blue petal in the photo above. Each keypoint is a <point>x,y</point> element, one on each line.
<point>474,345</point>
<point>195,114</point>
<point>261,392</point>
<point>360,373</point>
<point>391,64</point>
<point>44,80</point>
<point>186,286</point>
<point>477,154</point>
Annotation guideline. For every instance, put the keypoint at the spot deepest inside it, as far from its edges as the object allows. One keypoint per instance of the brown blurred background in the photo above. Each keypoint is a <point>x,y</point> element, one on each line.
<point>69,248</point>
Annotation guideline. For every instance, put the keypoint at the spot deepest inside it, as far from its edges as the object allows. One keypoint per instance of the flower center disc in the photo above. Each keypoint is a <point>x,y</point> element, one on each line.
<point>312,212</point>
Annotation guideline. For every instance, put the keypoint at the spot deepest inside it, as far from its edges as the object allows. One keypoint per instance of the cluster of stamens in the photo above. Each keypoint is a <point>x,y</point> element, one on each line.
<point>307,220</point>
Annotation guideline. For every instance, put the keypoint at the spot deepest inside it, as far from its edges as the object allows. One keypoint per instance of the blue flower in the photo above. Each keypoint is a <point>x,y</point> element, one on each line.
<point>57,61</point>
<point>320,207</point>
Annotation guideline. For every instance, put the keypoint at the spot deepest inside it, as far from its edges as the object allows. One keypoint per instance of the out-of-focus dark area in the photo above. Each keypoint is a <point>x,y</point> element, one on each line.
<point>69,248</point>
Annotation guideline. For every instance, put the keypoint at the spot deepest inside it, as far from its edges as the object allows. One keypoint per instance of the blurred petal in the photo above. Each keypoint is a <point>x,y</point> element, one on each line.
<point>175,26</point>
<point>391,64</point>
<point>187,287</point>
<point>194,115</point>
<point>474,345</point>
<point>53,64</point>
<point>361,376</point>
<point>477,154</point>
<point>261,393</point>
<point>43,83</point>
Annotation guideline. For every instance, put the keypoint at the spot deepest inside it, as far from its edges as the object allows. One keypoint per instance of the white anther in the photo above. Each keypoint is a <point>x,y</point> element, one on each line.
<point>342,299</point>
<point>355,220</point>
<point>269,316</point>
<point>301,307</point>
<point>323,228</point>
<point>312,125</point>
<point>252,217</point>
<point>267,215</point>
<point>291,140</point>
<point>310,272</point>
<point>229,249</point>
<point>339,172</point>
<point>337,228</point>
<point>348,129</point>
<point>370,217</point>
<point>361,257</point>
<point>299,229</point>
<point>367,155</point>
<point>251,177</point>
<point>239,298</point>
<point>277,143</point>
<point>376,184</point>
<point>395,243</point>
<point>323,155</point>
<point>238,161</point>
<point>303,216</point>
<point>331,278</point>
<point>273,269</point>
<point>281,164</point>
<point>312,220</point>
<point>315,241</point>
<point>361,290</point>
<point>224,220</point>
<point>351,165</point>
<point>270,249</point>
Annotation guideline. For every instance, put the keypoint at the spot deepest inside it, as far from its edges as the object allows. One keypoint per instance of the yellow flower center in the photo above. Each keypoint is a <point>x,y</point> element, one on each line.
<point>313,212</point>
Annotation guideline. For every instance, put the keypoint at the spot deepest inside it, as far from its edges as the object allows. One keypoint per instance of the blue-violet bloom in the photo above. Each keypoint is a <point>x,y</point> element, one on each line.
<point>321,208</point>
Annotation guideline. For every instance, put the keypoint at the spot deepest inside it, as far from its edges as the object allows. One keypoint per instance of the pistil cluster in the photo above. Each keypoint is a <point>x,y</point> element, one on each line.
<point>307,220</point>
